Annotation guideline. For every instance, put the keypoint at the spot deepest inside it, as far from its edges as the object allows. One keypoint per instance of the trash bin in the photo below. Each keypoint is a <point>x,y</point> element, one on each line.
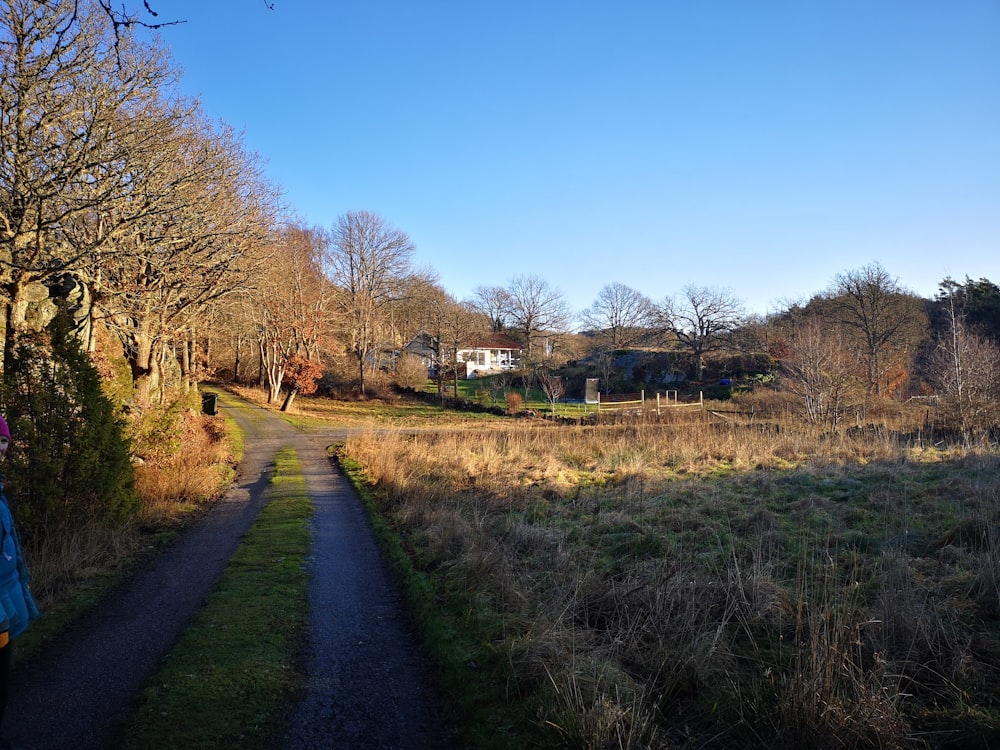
<point>210,403</point>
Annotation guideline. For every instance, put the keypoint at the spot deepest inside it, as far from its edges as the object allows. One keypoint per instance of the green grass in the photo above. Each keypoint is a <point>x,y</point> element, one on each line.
<point>229,680</point>
<point>477,390</point>
<point>316,411</point>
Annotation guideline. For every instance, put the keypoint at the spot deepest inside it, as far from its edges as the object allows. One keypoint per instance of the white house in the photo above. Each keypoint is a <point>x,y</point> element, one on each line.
<point>495,352</point>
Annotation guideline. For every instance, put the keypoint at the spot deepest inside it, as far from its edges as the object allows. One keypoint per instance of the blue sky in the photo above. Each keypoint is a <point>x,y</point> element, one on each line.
<point>761,146</point>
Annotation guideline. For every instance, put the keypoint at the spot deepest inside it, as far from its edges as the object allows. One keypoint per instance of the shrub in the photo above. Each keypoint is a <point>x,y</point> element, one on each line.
<point>190,474</point>
<point>71,461</point>
<point>410,372</point>
<point>514,402</point>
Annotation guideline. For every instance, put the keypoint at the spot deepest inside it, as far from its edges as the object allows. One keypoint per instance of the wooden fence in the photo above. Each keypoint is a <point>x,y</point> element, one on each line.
<point>635,403</point>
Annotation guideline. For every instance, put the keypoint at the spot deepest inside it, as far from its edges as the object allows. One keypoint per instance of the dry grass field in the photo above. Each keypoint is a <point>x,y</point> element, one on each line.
<point>699,582</point>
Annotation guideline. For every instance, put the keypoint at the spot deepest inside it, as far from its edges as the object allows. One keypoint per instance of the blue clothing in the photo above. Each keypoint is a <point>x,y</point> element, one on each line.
<point>17,606</point>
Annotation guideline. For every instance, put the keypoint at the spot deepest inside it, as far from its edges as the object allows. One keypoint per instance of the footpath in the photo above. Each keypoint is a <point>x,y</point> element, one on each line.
<point>367,684</point>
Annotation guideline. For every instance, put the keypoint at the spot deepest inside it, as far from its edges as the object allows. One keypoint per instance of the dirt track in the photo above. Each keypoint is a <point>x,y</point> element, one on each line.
<point>366,683</point>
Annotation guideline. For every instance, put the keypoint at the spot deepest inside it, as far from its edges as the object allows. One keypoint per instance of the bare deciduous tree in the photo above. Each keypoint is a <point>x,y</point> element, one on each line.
<point>965,369</point>
<point>71,116</point>
<point>434,312</point>
<point>702,319</point>
<point>552,386</point>
<point>620,315</point>
<point>494,303</point>
<point>818,369</point>
<point>887,322</point>
<point>369,261</point>
<point>209,212</point>
<point>291,304</point>
<point>536,309</point>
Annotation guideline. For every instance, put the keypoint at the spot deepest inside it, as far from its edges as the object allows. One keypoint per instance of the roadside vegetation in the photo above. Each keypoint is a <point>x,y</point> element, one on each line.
<point>696,580</point>
<point>230,679</point>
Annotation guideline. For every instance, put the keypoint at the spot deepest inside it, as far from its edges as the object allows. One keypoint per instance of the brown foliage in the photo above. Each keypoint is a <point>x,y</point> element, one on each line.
<point>301,374</point>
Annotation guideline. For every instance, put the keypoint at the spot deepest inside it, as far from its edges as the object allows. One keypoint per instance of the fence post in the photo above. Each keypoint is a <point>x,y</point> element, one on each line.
<point>657,403</point>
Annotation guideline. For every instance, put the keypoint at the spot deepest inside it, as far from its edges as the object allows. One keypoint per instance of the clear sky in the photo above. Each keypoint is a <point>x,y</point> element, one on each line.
<point>757,145</point>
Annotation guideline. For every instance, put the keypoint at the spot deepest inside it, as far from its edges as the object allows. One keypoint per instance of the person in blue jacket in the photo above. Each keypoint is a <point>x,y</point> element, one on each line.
<point>17,607</point>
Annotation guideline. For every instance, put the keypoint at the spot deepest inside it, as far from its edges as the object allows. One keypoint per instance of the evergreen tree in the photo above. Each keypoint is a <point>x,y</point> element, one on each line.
<point>69,463</point>
<point>977,302</point>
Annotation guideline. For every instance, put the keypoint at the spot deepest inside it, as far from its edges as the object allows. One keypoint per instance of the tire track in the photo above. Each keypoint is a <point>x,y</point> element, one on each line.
<point>367,684</point>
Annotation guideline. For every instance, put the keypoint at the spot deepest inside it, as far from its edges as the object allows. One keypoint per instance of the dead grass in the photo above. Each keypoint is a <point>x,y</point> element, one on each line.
<point>174,485</point>
<point>699,580</point>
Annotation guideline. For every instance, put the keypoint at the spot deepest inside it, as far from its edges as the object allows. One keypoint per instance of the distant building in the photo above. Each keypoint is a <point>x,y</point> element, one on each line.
<point>495,352</point>
<point>489,354</point>
<point>424,346</point>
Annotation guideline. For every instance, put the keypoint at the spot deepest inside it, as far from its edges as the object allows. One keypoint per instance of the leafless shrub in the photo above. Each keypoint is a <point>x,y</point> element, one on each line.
<point>514,402</point>
<point>410,371</point>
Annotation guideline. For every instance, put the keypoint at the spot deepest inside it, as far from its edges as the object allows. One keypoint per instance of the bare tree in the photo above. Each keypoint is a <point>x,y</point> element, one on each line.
<point>122,18</point>
<point>536,310</point>
<point>432,312</point>
<point>553,387</point>
<point>702,320</point>
<point>965,369</point>
<point>887,322</point>
<point>293,307</point>
<point>407,314</point>
<point>209,212</point>
<point>369,261</point>
<point>70,119</point>
<point>494,302</point>
<point>233,334</point>
<point>818,369</point>
<point>620,315</point>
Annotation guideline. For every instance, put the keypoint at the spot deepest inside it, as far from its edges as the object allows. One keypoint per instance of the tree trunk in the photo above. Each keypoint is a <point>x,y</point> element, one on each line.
<point>237,353</point>
<point>288,399</point>
<point>8,337</point>
<point>185,358</point>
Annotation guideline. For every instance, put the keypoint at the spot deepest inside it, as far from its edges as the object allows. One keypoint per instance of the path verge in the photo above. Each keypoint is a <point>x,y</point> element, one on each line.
<point>230,678</point>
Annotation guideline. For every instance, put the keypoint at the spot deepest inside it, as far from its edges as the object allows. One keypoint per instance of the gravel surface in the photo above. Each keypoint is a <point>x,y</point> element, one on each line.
<point>367,685</point>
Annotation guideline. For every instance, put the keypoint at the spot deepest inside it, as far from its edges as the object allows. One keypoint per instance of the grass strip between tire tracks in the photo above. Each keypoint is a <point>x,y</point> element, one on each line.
<point>233,674</point>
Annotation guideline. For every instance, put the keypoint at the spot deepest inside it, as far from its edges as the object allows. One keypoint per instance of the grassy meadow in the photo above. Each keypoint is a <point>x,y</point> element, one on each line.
<point>696,582</point>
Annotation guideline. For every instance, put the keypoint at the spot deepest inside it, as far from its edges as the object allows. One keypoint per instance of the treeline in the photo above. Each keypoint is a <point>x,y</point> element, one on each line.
<point>125,213</point>
<point>154,234</point>
<point>863,340</point>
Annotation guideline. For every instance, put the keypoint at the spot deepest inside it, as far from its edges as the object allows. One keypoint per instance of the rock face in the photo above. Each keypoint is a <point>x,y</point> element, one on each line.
<point>41,303</point>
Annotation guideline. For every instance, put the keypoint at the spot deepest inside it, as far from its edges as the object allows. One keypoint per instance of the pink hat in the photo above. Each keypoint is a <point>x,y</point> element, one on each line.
<point>4,429</point>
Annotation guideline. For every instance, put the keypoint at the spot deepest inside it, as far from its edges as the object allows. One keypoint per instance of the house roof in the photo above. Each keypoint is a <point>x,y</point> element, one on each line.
<point>493,341</point>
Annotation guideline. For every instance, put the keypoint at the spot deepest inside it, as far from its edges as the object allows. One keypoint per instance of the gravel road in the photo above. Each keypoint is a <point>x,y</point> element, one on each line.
<point>367,685</point>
